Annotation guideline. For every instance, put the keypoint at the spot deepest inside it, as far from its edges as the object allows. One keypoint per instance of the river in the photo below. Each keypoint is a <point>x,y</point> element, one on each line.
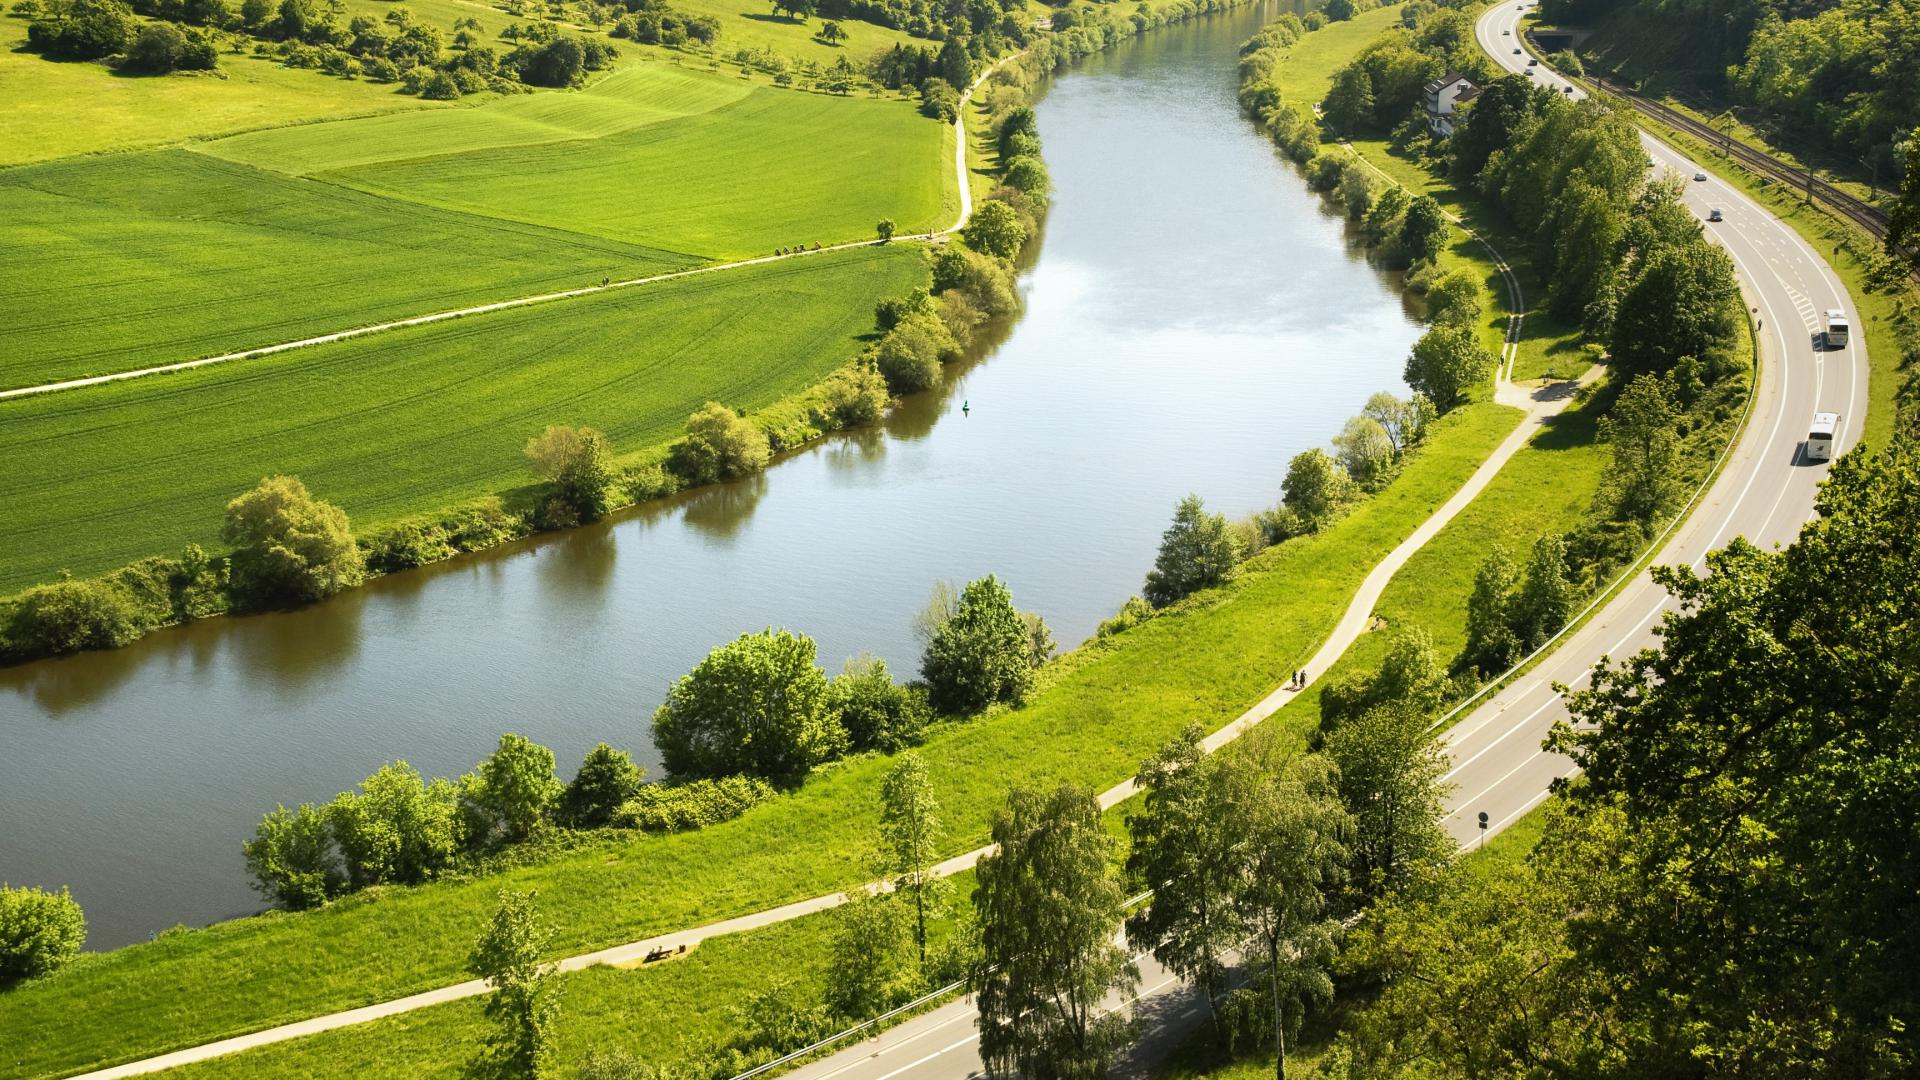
<point>1193,319</point>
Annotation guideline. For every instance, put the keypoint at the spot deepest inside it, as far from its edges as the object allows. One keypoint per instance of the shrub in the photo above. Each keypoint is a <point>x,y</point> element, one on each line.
<point>720,445</point>
<point>852,396</point>
<point>397,827</point>
<point>162,48</point>
<point>91,30</point>
<point>692,805</point>
<point>939,99</point>
<point>910,354</point>
<point>291,858</point>
<point>606,780</point>
<point>561,62</point>
<point>1315,489</point>
<point>39,932</point>
<point>1446,362</point>
<point>995,229</point>
<point>756,705</point>
<point>68,616</point>
<point>579,464</point>
<point>982,654</point>
<point>1027,173</point>
<point>292,547</point>
<point>987,281</point>
<point>1131,614</point>
<point>877,713</point>
<point>1457,299</point>
<point>1196,551</point>
<point>888,312</point>
<point>439,86</point>
<point>515,787</point>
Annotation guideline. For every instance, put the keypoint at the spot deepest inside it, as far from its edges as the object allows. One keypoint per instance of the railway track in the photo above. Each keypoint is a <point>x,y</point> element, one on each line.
<point>1861,213</point>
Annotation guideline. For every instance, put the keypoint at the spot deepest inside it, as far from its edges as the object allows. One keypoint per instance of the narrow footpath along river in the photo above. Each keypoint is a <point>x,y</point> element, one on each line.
<point>1194,319</point>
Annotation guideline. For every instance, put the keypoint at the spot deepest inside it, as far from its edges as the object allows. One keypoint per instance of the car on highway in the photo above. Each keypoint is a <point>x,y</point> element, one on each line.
<point>1566,89</point>
<point>1516,52</point>
<point>1506,33</point>
<point>1699,177</point>
<point>1533,62</point>
<point>1715,215</point>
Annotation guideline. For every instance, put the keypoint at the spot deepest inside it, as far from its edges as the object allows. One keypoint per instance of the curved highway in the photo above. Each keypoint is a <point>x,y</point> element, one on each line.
<point>1764,491</point>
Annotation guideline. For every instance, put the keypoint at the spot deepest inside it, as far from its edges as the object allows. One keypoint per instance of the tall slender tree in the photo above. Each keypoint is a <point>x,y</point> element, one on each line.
<point>910,828</point>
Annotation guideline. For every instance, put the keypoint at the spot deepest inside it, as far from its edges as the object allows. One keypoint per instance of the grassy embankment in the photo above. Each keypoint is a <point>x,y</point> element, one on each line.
<point>419,418</point>
<point>138,259</point>
<point>1101,710</point>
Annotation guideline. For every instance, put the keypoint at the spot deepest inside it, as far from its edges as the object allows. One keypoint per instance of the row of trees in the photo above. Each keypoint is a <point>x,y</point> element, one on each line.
<point>760,705</point>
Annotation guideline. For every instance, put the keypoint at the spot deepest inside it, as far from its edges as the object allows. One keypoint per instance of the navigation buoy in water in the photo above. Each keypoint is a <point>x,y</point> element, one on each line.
<point>965,407</point>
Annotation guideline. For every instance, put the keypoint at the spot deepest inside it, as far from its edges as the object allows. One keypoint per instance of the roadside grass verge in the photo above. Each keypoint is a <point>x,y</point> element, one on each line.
<point>774,169</point>
<point>115,263</point>
<point>1098,712</point>
<point>422,418</point>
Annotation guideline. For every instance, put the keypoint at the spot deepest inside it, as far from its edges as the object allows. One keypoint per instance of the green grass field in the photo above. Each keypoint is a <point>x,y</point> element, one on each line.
<point>774,169</point>
<point>417,419</point>
<point>114,263</point>
<point>1098,714</point>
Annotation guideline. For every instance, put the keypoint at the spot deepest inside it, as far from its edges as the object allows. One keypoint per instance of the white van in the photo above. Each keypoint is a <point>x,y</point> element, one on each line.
<point>1820,440</point>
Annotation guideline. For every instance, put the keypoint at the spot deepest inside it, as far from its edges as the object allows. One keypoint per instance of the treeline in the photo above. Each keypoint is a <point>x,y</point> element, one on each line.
<point>1719,893</point>
<point>189,34</point>
<point>398,828</point>
<point>1837,75</point>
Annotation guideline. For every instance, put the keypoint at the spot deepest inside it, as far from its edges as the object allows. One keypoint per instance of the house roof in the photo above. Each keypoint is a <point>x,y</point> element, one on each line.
<point>1447,80</point>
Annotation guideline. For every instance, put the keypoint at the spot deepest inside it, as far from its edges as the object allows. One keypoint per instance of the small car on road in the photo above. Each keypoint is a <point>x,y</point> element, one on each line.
<point>1699,176</point>
<point>1517,52</point>
<point>1715,215</point>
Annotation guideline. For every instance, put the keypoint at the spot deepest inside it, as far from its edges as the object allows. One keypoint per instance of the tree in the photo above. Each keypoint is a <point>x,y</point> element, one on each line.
<point>1196,552</point>
<point>953,64</point>
<point>607,778</point>
<point>939,99</point>
<point>561,62</point>
<point>910,354</point>
<point>1315,488</point>
<point>870,958</point>
<point>1366,451</point>
<point>1339,10</point>
<point>832,33</point>
<point>1754,774</point>
<point>1295,861</point>
<point>90,30</point>
<point>1903,223</point>
<point>720,445</point>
<point>1448,361</point>
<point>995,229</point>
<point>885,229</point>
<point>507,955</point>
<point>1410,675</point>
<point>291,858</point>
<point>1049,906</point>
<point>1491,644</point>
<point>1350,103</point>
<point>877,713</point>
<point>1423,232</point>
<point>40,932</point>
<point>755,705</point>
<point>291,547</point>
<point>1457,299</point>
<point>982,655</point>
<point>1404,422</point>
<point>159,49</point>
<point>1640,428</point>
<point>396,828</point>
<point>797,10</point>
<point>579,464</point>
<point>517,786</point>
<point>1187,849</point>
<point>1546,597</point>
<point>1684,302</point>
<point>1390,772</point>
<point>910,831</point>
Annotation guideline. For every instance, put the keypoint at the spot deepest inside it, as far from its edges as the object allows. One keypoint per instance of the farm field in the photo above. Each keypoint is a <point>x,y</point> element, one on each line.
<point>1096,715</point>
<point>417,419</point>
<point>641,93</point>
<point>774,169</point>
<point>136,259</point>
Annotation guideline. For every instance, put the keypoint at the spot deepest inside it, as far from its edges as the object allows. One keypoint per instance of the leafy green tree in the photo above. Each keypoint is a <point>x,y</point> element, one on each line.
<point>523,1009</point>
<point>578,462</point>
<point>910,354</point>
<point>70,615</point>
<point>910,833</point>
<point>1457,299</point>
<point>1759,766</point>
<point>720,445</point>
<point>1641,430</point>
<point>982,655</point>
<point>1410,675</point>
<point>1196,552</point>
<point>877,713</point>
<point>885,229</point>
<point>1186,848</point>
<point>1448,361</point>
<point>1903,223</point>
<point>995,229</point>
<point>397,827</point>
<point>939,99</point>
<point>1390,771</point>
<point>1684,302</point>
<point>561,62</point>
<point>953,64</point>
<point>1027,173</point>
<point>1350,103</point>
<point>1339,10</point>
<point>798,10</point>
<point>1581,241</point>
<point>517,787</point>
<point>607,778</point>
<point>832,33</point>
<point>1049,906</point>
<point>1294,865</point>
<point>1366,452</point>
<point>869,955</point>
<point>891,311</point>
<point>1547,596</point>
<point>40,932</point>
<point>1404,422</point>
<point>1491,644</point>
<point>1423,232</point>
<point>90,30</point>
<point>1491,125</point>
<point>291,858</point>
<point>756,705</point>
<point>290,546</point>
<point>1315,489</point>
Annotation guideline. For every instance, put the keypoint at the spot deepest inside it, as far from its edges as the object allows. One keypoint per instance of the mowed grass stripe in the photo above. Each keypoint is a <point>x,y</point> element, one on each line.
<point>633,97</point>
<point>419,418</point>
<point>116,263</point>
<point>774,169</point>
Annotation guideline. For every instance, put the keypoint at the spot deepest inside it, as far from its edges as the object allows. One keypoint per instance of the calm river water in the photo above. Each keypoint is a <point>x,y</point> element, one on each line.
<point>1193,320</point>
